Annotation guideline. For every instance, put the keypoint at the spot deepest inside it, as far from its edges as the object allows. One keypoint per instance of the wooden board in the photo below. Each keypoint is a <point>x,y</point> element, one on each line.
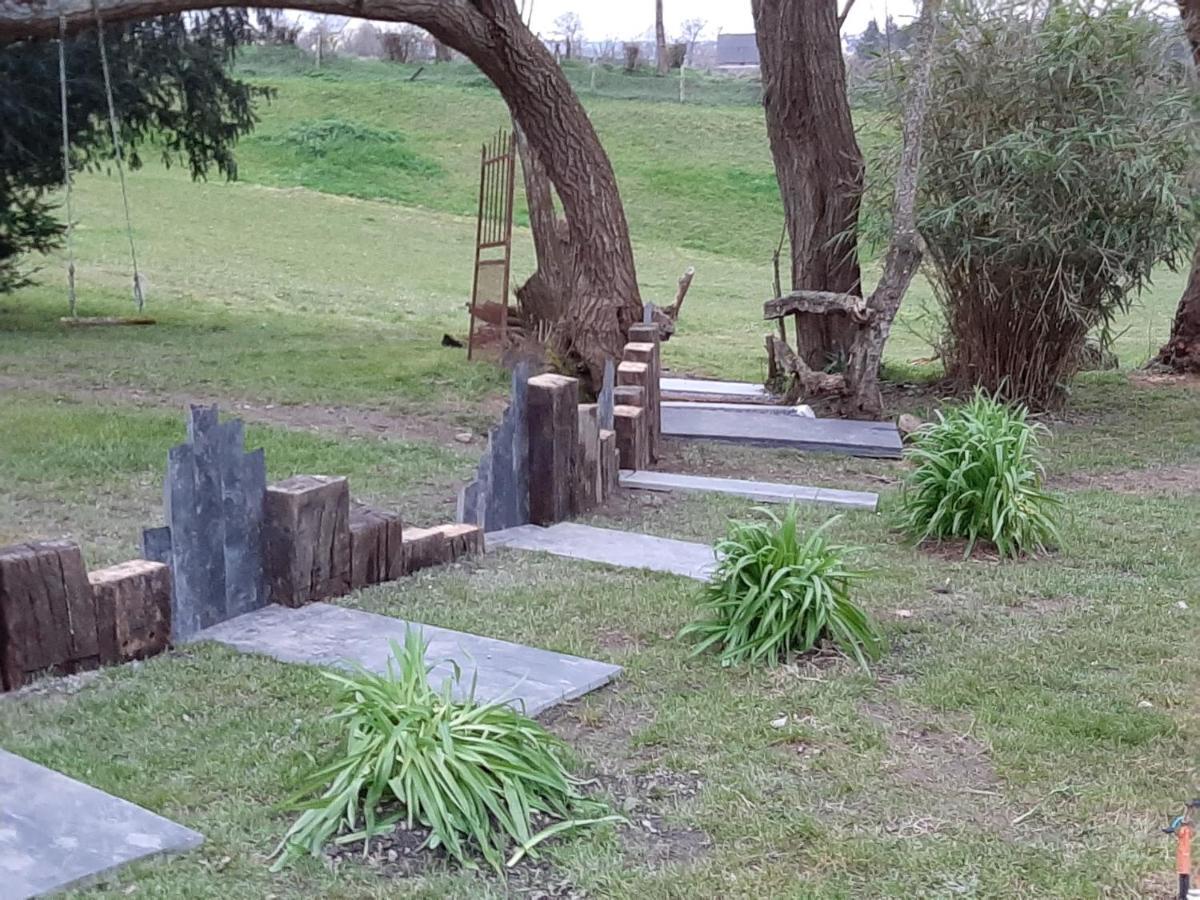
<point>878,440</point>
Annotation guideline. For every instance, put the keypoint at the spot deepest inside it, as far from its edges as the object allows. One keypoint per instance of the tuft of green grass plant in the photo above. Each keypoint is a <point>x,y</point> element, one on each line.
<point>978,477</point>
<point>775,592</point>
<point>475,774</point>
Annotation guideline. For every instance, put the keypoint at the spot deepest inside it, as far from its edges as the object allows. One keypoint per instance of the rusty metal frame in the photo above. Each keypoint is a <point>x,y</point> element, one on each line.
<point>493,229</point>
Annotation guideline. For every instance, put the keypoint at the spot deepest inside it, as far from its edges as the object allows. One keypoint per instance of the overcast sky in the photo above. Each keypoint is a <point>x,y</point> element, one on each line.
<point>631,18</point>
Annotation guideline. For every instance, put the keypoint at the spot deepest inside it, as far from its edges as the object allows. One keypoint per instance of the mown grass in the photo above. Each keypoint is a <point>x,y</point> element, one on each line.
<point>1001,748</point>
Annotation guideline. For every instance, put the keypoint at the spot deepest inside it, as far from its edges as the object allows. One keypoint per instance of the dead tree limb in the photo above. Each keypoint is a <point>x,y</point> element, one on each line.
<point>685,282</point>
<point>845,14</point>
<point>820,303</point>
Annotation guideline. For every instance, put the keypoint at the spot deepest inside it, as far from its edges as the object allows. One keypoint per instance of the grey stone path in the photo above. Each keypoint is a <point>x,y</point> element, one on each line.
<point>57,833</point>
<point>753,426</point>
<point>616,548</point>
<point>717,389</point>
<point>767,491</point>
<point>321,634</point>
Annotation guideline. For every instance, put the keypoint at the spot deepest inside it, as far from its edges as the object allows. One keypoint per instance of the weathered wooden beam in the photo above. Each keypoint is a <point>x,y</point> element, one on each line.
<point>376,553</point>
<point>818,303</point>
<point>462,540</point>
<point>629,395</point>
<point>134,599</point>
<point>47,615</point>
<point>640,336</point>
<point>610,464</point>
<point>587,459</point>
<point>307,539</point>
<point>553,414</point>
<point>632,437</point>
<point>423,548</point>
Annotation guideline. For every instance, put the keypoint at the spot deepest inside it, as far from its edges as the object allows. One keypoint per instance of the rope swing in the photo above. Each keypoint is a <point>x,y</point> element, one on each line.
<point>119,157</point>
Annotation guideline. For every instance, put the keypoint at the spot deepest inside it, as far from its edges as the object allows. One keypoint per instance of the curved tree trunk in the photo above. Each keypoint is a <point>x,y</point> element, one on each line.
<point>817,159</point>
<point>1181,352</point>
<point>604,299</point>
<point>661,59</point>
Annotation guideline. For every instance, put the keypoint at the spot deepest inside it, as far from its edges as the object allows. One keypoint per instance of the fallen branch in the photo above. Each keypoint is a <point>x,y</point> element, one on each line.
<point>820,303</point>
<point>685,282</point>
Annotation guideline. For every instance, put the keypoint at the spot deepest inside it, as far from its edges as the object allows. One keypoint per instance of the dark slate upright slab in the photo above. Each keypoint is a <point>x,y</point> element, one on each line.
<point>498,497</point>
<point>213,500</point>
<point>879,440</point>
<point>607,397</point>
<point>57,833</point>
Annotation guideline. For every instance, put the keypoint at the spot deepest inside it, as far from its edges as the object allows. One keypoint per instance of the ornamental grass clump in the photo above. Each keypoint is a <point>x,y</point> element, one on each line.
<point>777,592</point>
<point>475,775</point>
<point>978,478</point>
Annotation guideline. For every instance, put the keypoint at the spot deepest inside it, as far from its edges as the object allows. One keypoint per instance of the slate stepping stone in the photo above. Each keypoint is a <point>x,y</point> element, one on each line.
<point>616,548</point>
<point>880,440</point>
<point>57,833</point>
<point>336,637</point>
<point>766,491</point>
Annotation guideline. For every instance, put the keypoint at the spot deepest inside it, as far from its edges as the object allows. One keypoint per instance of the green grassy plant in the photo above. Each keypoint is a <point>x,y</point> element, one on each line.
<point>978,477</point>
<point>474,774</point>
<point>776,592</point>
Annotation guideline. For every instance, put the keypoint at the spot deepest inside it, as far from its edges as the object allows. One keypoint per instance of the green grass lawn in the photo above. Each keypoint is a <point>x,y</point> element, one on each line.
<point>1003,747</point>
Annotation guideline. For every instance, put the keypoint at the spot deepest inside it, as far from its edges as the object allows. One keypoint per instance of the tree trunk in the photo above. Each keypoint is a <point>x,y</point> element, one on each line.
<point>604,297</point>
<point>543,295</point>
<point>817,159</point>
<point>904,251</point>
<point>1181,352</point>
<point>660,39</point>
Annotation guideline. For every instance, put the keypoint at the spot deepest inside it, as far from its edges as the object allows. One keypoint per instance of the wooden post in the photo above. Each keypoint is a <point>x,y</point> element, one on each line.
<point>610,464</point>
<point>641,335</point>
<point>47,614</point>
<point>553,414</point>
<point>423,548</point>
<point>587,459</point>
<point>135,597</point>
<point>375,547</point>
<point>462,540</point>
<point>630,395</point>
<point>631,437</point>
<point>307,538</point>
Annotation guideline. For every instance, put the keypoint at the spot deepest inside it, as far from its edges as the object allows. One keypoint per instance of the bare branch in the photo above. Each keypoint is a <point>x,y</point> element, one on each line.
<point>845,13</point>
<point>819,303</point>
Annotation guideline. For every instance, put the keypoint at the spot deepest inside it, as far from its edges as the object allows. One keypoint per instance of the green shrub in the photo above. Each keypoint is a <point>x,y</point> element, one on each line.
<point>775,593</point>
<point>978,478</point>
<point>474,774</point>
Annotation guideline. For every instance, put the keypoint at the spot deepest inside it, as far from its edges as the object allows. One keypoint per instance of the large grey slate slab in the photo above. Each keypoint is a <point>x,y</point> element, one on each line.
<point>776,408</point>
<point>878,440</point>
<point>321,634</point>
<point>57,833</point>
<point>716,389</point>
<point>213,499</point>
<point>766,491</point>
<point>616,548</point>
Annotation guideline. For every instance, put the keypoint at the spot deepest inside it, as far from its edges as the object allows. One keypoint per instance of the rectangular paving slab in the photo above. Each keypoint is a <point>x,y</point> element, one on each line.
<point>57,833</point>
<point>766,491</point>
<point>879,440</point>
<point>616,548</point>
<point>715,389</point>
<point>321,634</point>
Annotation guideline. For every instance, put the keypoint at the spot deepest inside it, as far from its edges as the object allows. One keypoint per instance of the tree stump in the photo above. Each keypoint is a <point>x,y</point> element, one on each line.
<point>376,554</point>
<point>307,539</point>
<point>135,597</point>
<point>553,433</point>
<point>631,437</point>
<point>47,615</point>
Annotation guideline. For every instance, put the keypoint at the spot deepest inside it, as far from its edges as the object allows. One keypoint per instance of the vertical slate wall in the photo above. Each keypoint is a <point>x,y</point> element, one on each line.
<point>498,498</point>
<point>213,501</point>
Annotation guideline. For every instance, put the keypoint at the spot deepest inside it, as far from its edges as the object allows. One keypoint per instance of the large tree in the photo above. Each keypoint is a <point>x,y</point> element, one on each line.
<point>817,160</point>
<point>661,58</point>
<point>1182,350</point>
<point>171,86</point>
<point>604,299</point>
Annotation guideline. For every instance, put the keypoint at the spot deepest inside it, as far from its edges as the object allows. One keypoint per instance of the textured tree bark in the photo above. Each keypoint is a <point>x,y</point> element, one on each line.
<point>543,296</point>
<point>1181,352</point>
<point>604,297</point>
<point>817,159</point>
<point>661,59</point>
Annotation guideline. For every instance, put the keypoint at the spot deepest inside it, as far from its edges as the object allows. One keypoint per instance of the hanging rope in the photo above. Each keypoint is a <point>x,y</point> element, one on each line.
<point>66,149</point>
<point>119,152</point>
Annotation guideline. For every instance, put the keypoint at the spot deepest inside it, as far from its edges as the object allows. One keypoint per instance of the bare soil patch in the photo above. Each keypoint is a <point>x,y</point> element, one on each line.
<point>1175,481</point>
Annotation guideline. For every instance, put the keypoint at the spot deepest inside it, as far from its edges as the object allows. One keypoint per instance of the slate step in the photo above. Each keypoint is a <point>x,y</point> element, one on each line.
<point>765,491</point>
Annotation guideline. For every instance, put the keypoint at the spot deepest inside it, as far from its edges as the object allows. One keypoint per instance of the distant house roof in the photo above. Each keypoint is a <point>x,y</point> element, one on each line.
<point>737,50</point>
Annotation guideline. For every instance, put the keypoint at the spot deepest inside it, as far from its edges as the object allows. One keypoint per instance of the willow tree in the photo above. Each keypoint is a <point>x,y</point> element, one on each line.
<point>1182,350</point>
<point>603,298</point>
